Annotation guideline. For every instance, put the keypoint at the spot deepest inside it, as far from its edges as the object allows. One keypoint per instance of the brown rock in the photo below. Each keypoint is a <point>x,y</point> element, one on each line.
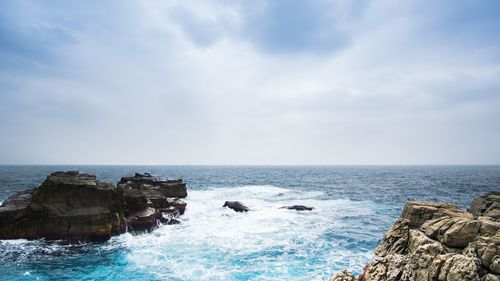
<point>440,242</point>
<point>490,277</point>
<point>459,268</point>
<point>388,268</point>
<point>395,240</point>
<point>481,204</point>
<point>344,275</point>
<point>461,233</point>
<point>419,212</point>
<point>488,226</point>
<point>68,205</point>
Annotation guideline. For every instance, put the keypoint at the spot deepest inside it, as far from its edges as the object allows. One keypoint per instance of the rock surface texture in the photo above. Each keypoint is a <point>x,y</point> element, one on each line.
<point>151,185</point>
<point>75,206</point>
<point>439,242</point>
<point>152,200</point>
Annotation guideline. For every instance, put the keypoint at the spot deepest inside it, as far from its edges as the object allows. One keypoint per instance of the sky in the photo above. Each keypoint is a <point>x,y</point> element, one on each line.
<point>250,82</point>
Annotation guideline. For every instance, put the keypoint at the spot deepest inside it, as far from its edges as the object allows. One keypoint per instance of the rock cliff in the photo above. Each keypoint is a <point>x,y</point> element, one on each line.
<point>439,242</point>
<point>76,206</point>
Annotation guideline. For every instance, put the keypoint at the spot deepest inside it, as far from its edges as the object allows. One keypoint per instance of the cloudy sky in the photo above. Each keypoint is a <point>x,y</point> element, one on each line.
<point>250,82</point>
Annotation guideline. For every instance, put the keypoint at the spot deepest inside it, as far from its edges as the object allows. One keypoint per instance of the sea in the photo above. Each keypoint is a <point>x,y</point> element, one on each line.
<point>354,207</point>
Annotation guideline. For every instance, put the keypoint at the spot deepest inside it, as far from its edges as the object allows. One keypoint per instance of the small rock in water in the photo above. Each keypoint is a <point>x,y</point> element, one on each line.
<point>236,206</point>
<point>298,208</point>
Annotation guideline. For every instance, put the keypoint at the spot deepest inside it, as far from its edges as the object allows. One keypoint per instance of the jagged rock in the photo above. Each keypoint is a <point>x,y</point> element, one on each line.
<point>76,206</point>
<point>178,204</point>
<point>488,227</point>
<point>418,241</point>
<point>455,232</point>
<point>490,277</point>
<point>144,220</point>
<point>298,208</point>
<point>436,228</point>
<point>388,268</point>
<point>67,205</point>
<point>135,200</point>
<point>495,264</point>
<point>481,204</point>
<point>440,242</point>
<point>461,233</point>
<point>236,206</point>
<point>152,200</point>
<point>484,250</point>
<point>459,267</point>
<point>152,185</point>
<point>344,275</point>
<point>421,258</point>
<point>395,240</point>
<point>493,212</point>
<point>436,265</point>
<point>420,212</point>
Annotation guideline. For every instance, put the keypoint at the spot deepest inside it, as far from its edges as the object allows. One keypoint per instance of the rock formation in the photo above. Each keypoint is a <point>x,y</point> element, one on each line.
<point>439,242</point>
<point>150,200</point>
<point>75,206</point>
<point>151,185</point>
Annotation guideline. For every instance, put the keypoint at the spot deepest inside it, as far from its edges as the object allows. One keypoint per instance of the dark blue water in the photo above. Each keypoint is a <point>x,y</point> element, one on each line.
<point>355,205</point>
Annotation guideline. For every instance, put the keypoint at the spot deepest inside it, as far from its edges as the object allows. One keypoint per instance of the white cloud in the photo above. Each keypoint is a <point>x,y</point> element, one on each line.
<point>140,87</point>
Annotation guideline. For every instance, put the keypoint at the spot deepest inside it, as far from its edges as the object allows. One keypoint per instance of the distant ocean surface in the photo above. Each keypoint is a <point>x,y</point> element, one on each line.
<point>355,206</point>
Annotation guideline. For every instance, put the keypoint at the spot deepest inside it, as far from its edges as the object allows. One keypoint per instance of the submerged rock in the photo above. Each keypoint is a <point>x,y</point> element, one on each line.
<point>298,208</point>
<point>436,241</point>
<point>236,206</point>
<point>76,206</point>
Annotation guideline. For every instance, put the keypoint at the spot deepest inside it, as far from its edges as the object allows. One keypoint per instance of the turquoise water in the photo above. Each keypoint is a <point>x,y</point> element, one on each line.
<point>355,205</point>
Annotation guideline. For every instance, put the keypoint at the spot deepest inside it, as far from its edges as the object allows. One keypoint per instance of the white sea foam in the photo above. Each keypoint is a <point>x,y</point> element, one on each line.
<point>267,243</point>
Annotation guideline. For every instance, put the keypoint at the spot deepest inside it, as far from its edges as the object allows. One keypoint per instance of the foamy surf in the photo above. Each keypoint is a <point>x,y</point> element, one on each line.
<point>266,243</point>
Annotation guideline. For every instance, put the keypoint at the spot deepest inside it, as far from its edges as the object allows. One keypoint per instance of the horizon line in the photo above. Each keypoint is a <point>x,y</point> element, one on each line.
<point>234,165</point>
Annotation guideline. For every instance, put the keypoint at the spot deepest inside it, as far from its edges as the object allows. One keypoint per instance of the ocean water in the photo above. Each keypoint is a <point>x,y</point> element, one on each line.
<point>354,206</point>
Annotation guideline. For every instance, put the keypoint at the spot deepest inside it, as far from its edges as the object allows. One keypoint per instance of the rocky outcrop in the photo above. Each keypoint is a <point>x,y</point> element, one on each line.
<point>75,206</point>
<point>298,208</point>
<point>151,185</point>
<point>439,242</point>
<point>487,205</point>
<point>237,206</point>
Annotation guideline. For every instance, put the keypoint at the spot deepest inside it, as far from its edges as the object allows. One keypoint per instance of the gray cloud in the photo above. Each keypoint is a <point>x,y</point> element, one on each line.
<point>219,82</point>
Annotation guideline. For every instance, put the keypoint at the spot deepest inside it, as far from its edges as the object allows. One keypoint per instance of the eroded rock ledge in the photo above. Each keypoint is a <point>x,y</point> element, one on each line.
<point>436,241</point>
<point>76,206</point>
